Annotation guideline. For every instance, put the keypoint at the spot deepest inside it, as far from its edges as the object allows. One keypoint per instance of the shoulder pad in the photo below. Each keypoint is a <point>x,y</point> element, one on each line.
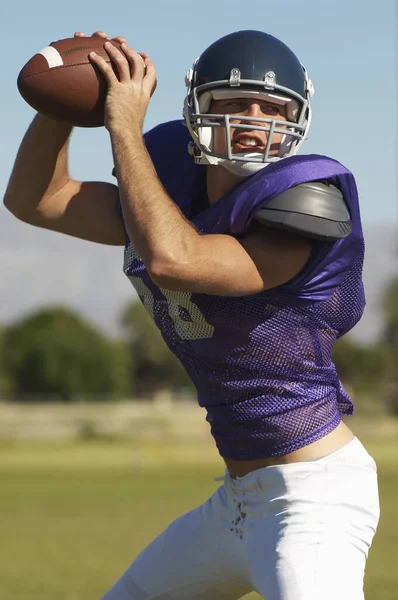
<point>316,209</point>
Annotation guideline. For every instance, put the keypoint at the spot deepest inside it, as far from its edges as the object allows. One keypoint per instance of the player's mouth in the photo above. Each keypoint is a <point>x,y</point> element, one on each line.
<point>248,143</point>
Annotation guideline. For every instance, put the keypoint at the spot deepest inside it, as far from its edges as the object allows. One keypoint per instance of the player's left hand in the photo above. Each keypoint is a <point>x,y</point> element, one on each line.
<point>129,93</point>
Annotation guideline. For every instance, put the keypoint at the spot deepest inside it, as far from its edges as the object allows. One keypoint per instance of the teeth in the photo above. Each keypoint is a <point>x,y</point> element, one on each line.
<point>248,142</point>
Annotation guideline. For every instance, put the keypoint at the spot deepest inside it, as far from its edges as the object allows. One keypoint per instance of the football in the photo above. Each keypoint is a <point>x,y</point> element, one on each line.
<point>62,83</point>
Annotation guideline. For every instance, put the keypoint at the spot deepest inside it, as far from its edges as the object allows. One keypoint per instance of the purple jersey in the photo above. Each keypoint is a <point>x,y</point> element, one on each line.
<point>262,364</point>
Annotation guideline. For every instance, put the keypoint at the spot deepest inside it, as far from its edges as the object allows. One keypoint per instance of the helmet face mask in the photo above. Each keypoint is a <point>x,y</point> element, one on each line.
<point>203,87</point>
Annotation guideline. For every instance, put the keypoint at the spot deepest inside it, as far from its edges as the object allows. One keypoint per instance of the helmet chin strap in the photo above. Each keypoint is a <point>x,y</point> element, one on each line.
<point>243,169</point>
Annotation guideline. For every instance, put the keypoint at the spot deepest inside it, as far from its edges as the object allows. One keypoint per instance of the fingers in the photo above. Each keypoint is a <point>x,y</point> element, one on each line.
<point>150,80</point>
<point>142,68</point>
<point>130,65</point>
<point>120,39</point>
<point>136,61</point>
<point>99,33</point>
<point>105,68</point>
<point>120,60</point>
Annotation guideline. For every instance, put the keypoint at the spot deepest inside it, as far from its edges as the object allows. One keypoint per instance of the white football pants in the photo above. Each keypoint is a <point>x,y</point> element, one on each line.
<point>300,531</point>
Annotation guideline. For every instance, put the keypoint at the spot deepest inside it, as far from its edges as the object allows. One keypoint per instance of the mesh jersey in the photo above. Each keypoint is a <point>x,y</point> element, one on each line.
<point>262,364</point>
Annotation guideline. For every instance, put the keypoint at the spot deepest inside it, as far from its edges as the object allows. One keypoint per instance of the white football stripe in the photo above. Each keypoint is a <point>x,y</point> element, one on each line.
<point>52,56</point>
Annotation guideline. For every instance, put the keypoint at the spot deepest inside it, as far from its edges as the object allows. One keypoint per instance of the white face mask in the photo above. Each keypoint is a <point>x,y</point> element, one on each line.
<point>242,168</point>
<point>201,129</point>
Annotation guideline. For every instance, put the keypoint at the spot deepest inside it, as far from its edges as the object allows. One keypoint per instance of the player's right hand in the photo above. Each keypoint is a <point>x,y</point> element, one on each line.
<point>102,34</point>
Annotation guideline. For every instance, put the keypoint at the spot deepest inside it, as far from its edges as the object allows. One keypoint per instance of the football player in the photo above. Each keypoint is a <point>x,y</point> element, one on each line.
<point>249,259</point>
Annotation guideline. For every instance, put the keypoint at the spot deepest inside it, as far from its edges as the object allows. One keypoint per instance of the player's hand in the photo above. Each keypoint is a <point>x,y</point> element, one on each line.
<point>131,80</point>
<point>101,34</point>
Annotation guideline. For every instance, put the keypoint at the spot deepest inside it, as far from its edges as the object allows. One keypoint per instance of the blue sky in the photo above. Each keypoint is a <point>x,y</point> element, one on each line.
<point>348,46</point>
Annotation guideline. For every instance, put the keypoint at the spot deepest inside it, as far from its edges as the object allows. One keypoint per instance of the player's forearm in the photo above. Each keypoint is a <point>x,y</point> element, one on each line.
<point>41,166</point>
<point>155,225</point>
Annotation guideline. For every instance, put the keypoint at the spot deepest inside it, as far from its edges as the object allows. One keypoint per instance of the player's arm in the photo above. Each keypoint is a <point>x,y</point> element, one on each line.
<point>177,257</point>
<point>41,193</point>
<point>222,265</point>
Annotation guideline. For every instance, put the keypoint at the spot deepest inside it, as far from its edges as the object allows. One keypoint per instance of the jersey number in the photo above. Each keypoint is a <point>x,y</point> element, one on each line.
<point>197,328</point>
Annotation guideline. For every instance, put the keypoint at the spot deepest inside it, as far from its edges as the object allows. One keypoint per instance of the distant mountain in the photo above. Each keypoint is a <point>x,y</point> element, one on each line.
<point>38,268</point>
<point>381,265</point>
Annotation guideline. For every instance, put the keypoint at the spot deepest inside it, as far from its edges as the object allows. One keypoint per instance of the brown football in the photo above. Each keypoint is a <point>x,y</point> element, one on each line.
<point>62,83</point>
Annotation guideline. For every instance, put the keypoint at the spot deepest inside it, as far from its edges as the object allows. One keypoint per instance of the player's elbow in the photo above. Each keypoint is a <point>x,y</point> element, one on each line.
<point>20,212</point>
<point>13,206</point>
<point>8,201</point>
<point>170,275</point>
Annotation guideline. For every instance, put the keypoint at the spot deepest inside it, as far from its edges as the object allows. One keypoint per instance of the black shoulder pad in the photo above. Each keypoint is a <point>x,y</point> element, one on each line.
<point>316,209</point>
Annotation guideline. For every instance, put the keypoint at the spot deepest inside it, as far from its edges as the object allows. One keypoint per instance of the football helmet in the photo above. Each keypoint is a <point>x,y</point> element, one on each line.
<point>247,64</point>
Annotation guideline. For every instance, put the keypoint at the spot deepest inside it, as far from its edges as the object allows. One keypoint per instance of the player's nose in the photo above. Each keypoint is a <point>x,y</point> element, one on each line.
<point>254,110</point>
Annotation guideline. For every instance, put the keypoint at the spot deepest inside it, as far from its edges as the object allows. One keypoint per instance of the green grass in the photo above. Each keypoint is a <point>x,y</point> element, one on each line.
<point>68,530</point>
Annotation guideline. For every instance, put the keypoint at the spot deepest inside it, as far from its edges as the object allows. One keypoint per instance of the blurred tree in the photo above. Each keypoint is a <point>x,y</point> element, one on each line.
<point>372,370</point>
<point>363,367</point>
<point>5,383</point>
<point>390,309</point>
<point>152,365</point>
<point>56,354</point>
<point>390,336</point>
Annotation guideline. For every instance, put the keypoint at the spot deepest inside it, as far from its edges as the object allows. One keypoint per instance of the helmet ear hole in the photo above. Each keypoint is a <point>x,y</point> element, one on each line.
<point>292,111</point>
<point>205,102</point>
<point>206,135</point>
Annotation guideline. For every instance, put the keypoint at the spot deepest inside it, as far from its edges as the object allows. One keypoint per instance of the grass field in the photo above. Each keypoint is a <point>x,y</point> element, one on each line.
<point>73,516</point>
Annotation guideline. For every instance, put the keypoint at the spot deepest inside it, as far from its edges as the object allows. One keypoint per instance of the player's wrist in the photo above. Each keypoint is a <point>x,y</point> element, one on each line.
<point>53,123</point>
<point>127,135</point>
<point>51,133</point>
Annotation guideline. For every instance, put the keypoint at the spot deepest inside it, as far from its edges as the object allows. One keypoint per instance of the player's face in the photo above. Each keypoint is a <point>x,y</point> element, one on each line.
<point>247,139</point>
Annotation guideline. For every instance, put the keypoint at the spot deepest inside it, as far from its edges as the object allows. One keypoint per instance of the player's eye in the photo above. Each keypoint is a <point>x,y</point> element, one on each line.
<point>269,109</point>
<point>234,106</point>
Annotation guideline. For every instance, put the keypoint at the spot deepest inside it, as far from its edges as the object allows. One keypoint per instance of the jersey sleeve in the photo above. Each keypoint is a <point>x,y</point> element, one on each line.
<point>326,269</point>
<point>330,263</point>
